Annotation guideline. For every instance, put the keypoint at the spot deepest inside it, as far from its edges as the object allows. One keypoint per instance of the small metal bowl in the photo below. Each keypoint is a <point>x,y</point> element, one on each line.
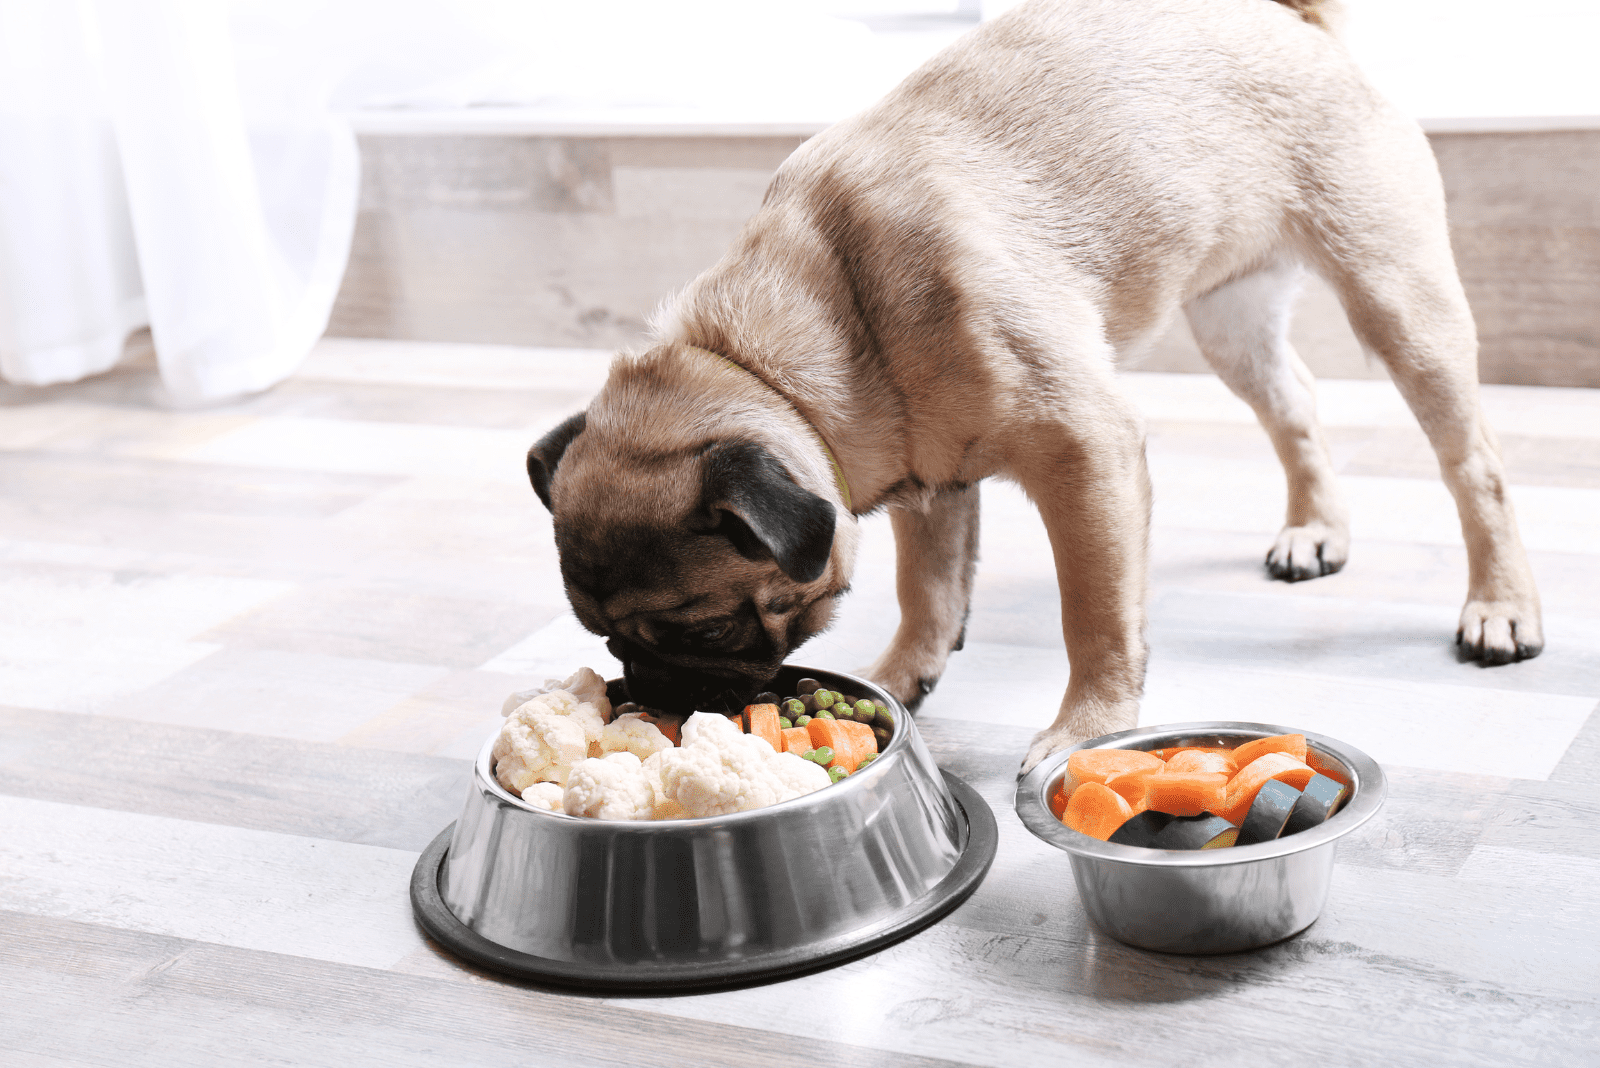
<point>1210,901</point>
<point>700,903</point>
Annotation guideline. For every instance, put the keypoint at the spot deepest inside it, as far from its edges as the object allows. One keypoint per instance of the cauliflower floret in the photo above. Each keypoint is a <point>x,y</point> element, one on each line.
<point>542,739</point>
<point>666,808</point>
<point>545,795</point>
<point>634,734</point>
<point>584,684</point>
<point>613,787</point>
<point>719,770</point>
<point>798,775</point>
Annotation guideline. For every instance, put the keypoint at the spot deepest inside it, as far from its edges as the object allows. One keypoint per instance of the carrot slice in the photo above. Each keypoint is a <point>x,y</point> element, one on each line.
<point>863,742</point>
<point>1058,802</point>
<point>762,721</point>
<point>1185,793</point>
<point>832,733</point>
<point>797,740</point>
<point>1293,744</point>
<point>1098,765</point>
<point>1248,780</point>
<point>1200,760</point>
<point>1323,765</point>
<point>1172,751</point>
<point>1096,810</point>
<point>1131,783</point>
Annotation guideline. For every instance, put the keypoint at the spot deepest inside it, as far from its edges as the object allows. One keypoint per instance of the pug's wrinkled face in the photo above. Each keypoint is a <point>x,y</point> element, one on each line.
<point>703,568</point>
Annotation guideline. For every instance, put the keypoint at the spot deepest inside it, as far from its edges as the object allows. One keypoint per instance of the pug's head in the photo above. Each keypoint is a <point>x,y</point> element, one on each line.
<point>686,538</point>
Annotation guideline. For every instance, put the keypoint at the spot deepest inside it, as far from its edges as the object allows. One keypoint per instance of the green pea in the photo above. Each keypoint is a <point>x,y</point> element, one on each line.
<point>822,754</point>
<point>794,707</point>
<point>823,713</point>
<point>837,773</point>
<point>784,724</point>
<point>869,758</point>
<point>825,698</point>
<point>865,708</point>
<point>802,721</point>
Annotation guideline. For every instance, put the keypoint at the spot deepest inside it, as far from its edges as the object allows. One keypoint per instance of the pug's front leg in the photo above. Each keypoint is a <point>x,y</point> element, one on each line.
<point>936,552</point>
<point>1089,479</point>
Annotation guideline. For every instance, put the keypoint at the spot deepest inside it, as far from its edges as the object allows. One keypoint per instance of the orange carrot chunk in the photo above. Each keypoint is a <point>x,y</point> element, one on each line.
<point>1326,766</point>
<point>797,740</point>
<point>1200,760</point>
<point>1096,810</point>
<point>1098,765</point>
<point>1172,751</point>
<point>1058,802</point>
<point>1241,790</point>
<point>762,721</point>
<point>1293,744</point>
<point>832,733</point>
<point>1131,783</point>
<point>863,743</point>
<point>1185,793</point>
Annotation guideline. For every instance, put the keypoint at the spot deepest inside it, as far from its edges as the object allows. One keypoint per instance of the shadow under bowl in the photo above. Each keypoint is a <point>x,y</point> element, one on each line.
<point>701,903</point>
<point>1205,901</point>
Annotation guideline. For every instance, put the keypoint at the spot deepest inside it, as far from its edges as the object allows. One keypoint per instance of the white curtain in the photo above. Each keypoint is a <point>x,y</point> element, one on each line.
<point>149,175</point>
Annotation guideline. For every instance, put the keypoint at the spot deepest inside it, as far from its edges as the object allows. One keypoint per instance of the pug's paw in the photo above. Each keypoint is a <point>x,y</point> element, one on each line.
<point>1078,724</point>
<point>909,678</point>
<point>1499,632</point>
<point>1308,552</point>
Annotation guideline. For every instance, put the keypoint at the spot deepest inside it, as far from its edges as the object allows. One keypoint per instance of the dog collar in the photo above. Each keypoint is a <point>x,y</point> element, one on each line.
<point>838,472</point>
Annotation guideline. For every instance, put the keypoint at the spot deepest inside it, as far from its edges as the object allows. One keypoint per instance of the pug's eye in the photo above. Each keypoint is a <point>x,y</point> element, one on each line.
<point>710,635</point>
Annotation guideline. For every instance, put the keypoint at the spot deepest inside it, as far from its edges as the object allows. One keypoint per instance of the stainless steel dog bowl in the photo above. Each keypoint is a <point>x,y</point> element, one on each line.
<point>680,904</point>
<point>1212,901</point>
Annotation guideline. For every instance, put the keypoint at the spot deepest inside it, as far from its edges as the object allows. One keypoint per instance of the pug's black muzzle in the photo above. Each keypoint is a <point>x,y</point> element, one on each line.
<point>655,683</point>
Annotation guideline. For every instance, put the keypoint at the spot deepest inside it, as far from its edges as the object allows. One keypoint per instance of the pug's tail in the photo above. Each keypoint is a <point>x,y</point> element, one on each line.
<point>1329,14</point>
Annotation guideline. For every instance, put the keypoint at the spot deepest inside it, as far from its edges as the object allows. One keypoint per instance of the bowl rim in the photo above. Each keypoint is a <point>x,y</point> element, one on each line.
<point>1033,807</point>
<point>905,725</point>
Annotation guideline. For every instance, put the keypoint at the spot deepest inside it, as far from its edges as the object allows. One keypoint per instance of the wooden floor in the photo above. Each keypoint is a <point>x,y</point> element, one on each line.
<point>246,653</point>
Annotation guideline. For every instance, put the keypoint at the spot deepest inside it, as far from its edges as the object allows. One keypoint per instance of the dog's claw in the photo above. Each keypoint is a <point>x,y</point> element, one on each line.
<point>1307,552</point>
<point>1494,632</point>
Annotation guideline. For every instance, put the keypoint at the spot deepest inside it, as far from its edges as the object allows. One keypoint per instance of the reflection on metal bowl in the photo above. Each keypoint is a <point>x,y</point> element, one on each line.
<point>707,902</point>
<point>1211,901</point>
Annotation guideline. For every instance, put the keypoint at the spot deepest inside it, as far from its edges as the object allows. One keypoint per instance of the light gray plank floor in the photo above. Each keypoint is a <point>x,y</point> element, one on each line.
<point>247,652</point>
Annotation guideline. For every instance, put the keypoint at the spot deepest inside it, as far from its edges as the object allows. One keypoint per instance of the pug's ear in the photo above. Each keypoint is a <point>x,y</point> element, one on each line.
<point>749,498</point>
<point>546,453</point>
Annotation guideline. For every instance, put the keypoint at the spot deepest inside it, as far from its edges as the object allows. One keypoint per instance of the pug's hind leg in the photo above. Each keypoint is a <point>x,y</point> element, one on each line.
<point>1243,330</point>
<point>936,553</point>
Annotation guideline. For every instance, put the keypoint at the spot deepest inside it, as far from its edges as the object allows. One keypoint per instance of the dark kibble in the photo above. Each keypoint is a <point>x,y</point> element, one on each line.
<point>882,735</point>
<point>767,698</point>
<point>624,709</point>
<point>805,686</point>
<point>810,701</point>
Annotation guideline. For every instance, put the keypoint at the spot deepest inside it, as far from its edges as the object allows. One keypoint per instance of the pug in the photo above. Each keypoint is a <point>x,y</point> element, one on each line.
<point>937,291</point>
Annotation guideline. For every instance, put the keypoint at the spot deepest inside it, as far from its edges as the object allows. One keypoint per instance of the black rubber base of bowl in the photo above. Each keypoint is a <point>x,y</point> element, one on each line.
<point>440,923</point>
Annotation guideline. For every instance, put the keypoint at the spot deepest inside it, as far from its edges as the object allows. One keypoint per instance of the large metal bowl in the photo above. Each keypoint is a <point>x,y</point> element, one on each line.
<point>691,903</point>
<point>1210,901</point>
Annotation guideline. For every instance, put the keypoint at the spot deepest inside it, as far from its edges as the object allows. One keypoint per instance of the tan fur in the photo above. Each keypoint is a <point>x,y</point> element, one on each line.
<point>941,287</point>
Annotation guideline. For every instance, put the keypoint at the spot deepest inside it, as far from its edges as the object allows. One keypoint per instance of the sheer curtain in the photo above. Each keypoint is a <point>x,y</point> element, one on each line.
<point>152,172</point>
